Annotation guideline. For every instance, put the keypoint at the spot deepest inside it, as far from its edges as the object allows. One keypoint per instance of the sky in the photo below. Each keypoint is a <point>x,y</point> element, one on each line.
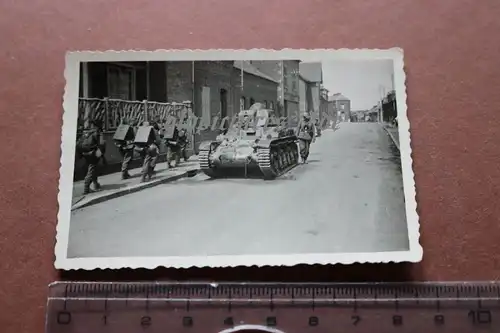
<point>360,81</point>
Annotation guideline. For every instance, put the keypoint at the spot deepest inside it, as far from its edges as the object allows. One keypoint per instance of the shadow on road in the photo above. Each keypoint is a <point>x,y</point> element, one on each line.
<point>394,156</point>
<point>112,186</point>
<point>251,178</point>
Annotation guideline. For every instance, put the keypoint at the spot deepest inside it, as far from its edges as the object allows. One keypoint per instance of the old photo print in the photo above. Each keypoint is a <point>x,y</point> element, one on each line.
<point>183,158</point>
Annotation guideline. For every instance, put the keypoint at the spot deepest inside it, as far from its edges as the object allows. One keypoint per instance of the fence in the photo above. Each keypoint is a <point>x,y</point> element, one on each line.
<point>113,111</point>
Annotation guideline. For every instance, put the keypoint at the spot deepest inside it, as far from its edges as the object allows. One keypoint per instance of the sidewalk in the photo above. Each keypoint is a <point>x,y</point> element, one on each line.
<point>112,186</point>
<point>393,133</point>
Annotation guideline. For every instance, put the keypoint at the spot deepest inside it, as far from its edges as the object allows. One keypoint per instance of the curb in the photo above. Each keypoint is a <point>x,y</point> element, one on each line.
<point>133,189</point>
<point>392,137</point>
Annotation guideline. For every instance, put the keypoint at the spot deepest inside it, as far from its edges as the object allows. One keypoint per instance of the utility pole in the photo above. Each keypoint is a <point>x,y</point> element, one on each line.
<point>382,96</point>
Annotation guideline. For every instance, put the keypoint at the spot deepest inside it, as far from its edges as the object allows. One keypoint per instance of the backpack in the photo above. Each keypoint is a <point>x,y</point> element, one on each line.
<point>85,142</point>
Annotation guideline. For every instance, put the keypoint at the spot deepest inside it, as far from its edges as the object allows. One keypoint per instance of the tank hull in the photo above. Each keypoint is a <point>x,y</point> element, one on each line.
<point>268,159</point>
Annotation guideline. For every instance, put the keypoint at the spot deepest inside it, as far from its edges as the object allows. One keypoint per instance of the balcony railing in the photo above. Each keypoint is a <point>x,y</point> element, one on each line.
<point>113,111</point>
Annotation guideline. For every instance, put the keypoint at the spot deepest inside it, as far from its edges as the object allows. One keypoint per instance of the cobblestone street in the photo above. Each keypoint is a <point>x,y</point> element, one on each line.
<point>348,198</point>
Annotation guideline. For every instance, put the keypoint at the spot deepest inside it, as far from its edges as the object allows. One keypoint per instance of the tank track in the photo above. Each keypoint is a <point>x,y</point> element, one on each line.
<point>205,166</point>
<point>279,158</point>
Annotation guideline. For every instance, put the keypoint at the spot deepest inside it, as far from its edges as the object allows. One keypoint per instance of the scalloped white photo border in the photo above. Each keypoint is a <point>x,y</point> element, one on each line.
<point>70,106</point>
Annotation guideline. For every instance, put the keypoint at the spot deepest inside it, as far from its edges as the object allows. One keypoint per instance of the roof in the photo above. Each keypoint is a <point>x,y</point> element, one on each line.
<point>248,68</point>
<point>311,71</point>
<point>338,97</point>
<point>360,111</point>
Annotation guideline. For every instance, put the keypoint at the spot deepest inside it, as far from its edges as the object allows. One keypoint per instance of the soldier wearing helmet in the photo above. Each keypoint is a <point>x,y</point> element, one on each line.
<point>150,154</point>
<point>306,135</point>
<point>91,146</point>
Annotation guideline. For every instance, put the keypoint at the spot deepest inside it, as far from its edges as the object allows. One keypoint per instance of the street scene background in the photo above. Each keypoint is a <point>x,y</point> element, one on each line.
<point>347,198</point>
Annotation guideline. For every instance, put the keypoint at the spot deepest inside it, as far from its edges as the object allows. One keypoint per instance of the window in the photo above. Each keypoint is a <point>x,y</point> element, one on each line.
<point>243,103</point>
<point>121,82</point>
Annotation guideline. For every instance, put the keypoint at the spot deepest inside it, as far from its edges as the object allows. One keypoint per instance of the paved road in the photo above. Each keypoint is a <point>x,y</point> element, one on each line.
<point>348,198</point>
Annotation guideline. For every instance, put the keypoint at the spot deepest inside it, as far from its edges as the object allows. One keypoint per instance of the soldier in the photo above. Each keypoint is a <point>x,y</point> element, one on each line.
<point>306,135</point>
<point>173,147</point>
<point>317,126</point>
<point>183,137</point>
<point>91,147</point>
<point>159,135</point>
<point>183,142</point>
<point>146,143</point>
<point>126,147</point>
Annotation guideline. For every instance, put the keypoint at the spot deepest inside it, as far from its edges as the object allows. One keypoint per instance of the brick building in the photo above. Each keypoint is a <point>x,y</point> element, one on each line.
<point>311,78</point>
<point>286,73</point>
<point>342,106</point>
<point>216,90</point>
<point>254,86</point>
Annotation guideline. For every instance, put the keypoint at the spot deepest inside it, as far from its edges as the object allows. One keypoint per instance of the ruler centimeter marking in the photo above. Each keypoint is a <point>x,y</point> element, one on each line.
<point>109,307</point>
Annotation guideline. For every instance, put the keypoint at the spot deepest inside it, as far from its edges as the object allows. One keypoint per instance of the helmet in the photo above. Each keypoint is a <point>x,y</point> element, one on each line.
<point>152,150</point>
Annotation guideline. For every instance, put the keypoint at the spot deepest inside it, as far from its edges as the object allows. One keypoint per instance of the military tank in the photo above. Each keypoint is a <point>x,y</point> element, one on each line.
<point>256,145</point>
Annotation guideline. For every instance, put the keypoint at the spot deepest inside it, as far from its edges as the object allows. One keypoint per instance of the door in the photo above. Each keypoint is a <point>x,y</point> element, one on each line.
<point>205,104</point>
<point>223,103</point>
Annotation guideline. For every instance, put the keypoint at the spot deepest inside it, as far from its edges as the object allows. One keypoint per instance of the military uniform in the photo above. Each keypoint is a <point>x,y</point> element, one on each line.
<point>173,148</point>
<point>306,136</point>
<point>127,151</point>
<point>146,144</point>
<point>317,127</point>
<point>125,145</point>
<point>155,148</point>
<point>91,147</point>
<point>150,155</point>
<point>183,142</point>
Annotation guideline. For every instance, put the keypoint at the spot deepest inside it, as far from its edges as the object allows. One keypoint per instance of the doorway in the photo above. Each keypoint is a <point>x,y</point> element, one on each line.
<point>223,103</point>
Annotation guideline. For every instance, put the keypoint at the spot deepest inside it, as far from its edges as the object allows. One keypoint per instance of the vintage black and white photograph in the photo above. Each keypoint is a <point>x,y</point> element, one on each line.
<point>235,157</point>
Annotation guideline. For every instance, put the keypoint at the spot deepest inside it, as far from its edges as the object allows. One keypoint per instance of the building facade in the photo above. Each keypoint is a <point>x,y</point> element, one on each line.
<point>389,107</point>
<point>324,108</point>
<point>254,86</point>
<point>286,73</point>
<point>342,106</point>
<point>305,95</point>
<point>311,75</point>
<point>146,91</point>
<point>133,81</point>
